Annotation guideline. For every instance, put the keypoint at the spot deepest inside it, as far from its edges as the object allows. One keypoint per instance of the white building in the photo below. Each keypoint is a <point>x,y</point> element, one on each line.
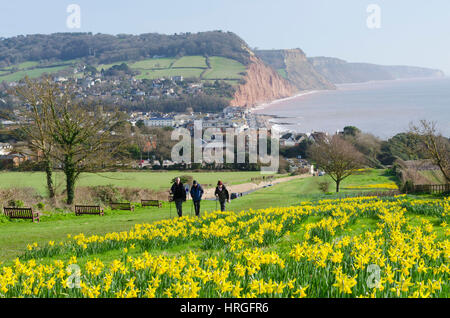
<point>5,148</point>
<point>159,122</point>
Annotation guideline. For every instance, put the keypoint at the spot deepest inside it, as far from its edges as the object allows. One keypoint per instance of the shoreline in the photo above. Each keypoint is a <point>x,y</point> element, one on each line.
<point>268,104</point>
<point>292,125</point>
<point>269,119</point>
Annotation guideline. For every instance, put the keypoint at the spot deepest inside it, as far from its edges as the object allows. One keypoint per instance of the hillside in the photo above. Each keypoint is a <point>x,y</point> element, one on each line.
<point>339,71</point>
<point>218,67</point>
<point>294,66</point>
<point>104,48</point>
<point>203,58</point>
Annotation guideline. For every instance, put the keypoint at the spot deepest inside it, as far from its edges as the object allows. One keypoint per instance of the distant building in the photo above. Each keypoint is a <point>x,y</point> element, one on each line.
<point>177,78</point>
<point>159,122</point>
<point>13,160</point>
<point>5,148</point>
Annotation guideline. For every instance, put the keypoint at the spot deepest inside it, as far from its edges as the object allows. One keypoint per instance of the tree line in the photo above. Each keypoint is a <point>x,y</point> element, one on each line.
<point>104,48</point>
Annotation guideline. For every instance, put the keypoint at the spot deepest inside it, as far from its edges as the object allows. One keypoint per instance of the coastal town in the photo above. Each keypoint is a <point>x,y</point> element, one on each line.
<point>128,89</point>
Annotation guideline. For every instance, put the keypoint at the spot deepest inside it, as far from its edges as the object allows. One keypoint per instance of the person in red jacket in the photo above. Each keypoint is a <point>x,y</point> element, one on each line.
<point>222,194</point>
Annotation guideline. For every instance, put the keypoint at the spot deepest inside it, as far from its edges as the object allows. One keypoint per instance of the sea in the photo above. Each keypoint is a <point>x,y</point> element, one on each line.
<point>382,108</point>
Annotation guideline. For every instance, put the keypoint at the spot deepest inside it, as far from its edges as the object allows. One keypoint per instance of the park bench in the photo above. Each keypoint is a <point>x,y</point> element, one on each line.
<point>21,213</point>
<point>151,203</point>
<point>88,209</point>
<point>122,206</point>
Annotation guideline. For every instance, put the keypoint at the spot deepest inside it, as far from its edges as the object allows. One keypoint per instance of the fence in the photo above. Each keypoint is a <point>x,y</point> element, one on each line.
<point>431,188</point>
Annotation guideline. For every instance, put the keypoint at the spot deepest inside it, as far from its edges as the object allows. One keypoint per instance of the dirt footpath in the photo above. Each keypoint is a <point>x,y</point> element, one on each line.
<point>245,187</point>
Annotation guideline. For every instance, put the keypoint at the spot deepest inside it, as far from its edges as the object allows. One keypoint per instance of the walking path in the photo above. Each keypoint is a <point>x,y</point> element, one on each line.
<point>246,188</point>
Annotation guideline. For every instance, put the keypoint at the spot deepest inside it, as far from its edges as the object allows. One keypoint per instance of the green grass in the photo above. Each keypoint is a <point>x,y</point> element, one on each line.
<point>15,235</point>
<point>140,179</point>
<point>186,66</point>
<point>23,65</point>
<point>152,63</point>
<point>33,69</point>
<point>33,73</point>
<point>185,72</point>
<point>190,61</point>
<point>107,66</point>
<point>56,227</point>
<point>223,68</point>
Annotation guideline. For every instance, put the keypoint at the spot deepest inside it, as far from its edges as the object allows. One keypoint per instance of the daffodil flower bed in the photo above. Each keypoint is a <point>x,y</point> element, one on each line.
<point>238,255</point>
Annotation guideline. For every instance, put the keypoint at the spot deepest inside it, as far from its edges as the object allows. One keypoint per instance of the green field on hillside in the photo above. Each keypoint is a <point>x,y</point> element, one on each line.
<point>33,73</point>
<point>166,73</point>
<point>190,61</point>
<point>152,63</point>
<point>23,65</point>
<point>190,66</point>
<point>223,68</point>
<point>186,66</point>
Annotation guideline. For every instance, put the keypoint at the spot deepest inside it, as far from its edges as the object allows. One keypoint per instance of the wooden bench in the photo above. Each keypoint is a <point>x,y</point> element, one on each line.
<point>151,203</point>
<point>21,213</point>
<point>88,209</point>
<point>122,206</point>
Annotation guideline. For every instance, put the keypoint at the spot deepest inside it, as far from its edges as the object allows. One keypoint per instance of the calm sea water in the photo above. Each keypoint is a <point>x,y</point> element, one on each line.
<point>383,108</point>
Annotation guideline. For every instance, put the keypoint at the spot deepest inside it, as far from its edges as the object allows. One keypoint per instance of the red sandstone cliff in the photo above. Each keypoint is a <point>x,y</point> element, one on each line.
<point>262,84</point>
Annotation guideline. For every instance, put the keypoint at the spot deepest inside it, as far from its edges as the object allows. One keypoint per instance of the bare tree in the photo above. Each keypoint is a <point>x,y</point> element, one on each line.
<point>433,145</point>
<point>38,96</point>
<point>85,141</point>
<point>76,137</point>
<point>337,157</point>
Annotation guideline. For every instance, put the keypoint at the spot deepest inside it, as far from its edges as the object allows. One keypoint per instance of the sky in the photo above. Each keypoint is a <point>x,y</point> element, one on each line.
<point>407,32</point>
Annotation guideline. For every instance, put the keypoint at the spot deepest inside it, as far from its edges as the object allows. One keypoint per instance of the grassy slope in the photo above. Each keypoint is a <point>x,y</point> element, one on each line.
<point>33,73</point>
<point>57,227</point>
<point>187,66</point>
<point>185,72</point>
<point>190,61</point>
<point>224,68</point>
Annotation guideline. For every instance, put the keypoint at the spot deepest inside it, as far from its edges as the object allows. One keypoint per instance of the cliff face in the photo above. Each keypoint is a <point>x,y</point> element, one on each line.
<point>262,84</point>
<point>295,67</point>
<point>339,71</point>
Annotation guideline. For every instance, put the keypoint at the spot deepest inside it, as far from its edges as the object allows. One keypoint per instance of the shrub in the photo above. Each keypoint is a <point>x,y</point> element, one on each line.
<point>106,194</point>
<point>16,203</point>
<point>324,186</point>
<point>185,179</point>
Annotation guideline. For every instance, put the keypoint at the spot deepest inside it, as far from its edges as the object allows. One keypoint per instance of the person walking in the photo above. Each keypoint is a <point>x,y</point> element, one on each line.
<point>179,195</point>
<point>196,195</point>
<point>222,194</point>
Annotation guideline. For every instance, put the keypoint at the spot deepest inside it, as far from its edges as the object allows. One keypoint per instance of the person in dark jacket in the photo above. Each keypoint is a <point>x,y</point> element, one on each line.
<point>222,194</point>
<point>196,195</point>
<point>179,195</point>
